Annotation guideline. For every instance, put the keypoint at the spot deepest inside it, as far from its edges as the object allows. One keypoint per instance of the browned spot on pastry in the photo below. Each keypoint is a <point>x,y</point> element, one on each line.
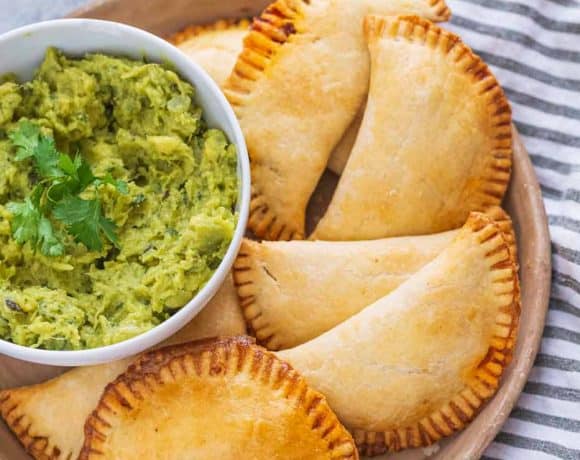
<point>318,420</point>
<point>490,236</point>
<point>289,29</point>
<point>495,251</point>
<point>425,438</point>
<point>313,404</point>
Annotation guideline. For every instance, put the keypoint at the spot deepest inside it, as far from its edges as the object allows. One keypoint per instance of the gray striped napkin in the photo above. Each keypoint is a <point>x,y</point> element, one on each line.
<point>533,48</point>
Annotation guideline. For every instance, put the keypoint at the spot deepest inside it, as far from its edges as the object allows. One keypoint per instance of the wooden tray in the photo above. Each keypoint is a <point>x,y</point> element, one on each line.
<point>523,201</point>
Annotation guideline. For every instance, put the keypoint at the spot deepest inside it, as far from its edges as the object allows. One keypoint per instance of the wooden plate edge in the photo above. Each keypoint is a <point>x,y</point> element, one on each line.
<point>535,302</point>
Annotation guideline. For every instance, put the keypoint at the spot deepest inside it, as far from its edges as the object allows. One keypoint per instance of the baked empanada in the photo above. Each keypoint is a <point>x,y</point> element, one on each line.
<point>418,364</point>
<point>435,142</point>
<point>214,47</point>
<point>293,291</point>
<point>48,418</point>
<point>296,87</point>
<point>222,399</point>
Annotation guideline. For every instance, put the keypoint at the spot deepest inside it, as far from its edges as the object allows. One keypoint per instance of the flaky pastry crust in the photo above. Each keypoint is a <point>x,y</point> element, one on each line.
<point>219,398</point>
<point>297,85</point>
<point>418,364</point>
<point>435,142</point>
<point>292,291</point>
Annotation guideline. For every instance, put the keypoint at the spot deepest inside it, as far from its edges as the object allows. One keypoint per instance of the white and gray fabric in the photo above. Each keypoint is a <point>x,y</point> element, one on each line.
<point>533,46</point>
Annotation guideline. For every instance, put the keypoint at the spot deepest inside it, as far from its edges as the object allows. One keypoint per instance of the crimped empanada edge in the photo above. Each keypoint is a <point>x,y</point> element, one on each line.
<point>265,223</point>
<point>482,385</point>
<point>195,30</point>
<point>504,222</point>
<point>245,273</point>
<point>264,42</point>
<point>22,425</point>
<point>441,11</point>
<point>491,189</point>
<point>206,358</point>
<point>267,34</point>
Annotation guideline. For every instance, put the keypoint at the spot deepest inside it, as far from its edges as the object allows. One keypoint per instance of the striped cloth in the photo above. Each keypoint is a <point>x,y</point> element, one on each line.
<point>533,47</point>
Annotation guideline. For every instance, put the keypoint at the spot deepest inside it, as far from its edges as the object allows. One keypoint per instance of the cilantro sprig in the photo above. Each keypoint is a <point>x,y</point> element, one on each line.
<point>56,197</point>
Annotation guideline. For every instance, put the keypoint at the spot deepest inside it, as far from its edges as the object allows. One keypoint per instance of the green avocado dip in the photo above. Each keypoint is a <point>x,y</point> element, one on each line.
<point>123,254</point>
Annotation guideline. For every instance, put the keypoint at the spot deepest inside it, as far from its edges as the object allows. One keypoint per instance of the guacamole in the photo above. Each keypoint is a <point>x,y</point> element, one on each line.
<point>138,123</point>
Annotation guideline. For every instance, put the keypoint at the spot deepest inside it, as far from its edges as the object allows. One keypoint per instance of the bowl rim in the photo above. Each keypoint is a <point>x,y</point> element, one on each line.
<point>180,318</point>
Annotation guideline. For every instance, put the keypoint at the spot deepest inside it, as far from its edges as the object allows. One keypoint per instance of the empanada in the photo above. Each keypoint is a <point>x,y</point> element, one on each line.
<point>293,291</point>
<point>419,363</point>
<point>48,418</point>
<point>214,47</point>
<point>435,142</point>
<point>213,399</point>
<point>296,87</point>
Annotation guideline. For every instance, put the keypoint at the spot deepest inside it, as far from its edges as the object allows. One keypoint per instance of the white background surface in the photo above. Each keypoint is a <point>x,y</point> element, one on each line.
<point>14,13</point>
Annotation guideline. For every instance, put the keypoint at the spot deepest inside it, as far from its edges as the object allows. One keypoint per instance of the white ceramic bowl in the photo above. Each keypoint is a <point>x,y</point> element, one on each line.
<point>23,50</point>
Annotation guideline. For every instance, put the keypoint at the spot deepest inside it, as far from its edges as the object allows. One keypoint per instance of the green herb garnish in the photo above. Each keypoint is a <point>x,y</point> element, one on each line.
<point>57,197</point>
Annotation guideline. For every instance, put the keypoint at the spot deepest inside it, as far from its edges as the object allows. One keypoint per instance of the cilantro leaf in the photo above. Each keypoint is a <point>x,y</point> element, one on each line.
<point>50,244</point>
<point>31,143</point>
<point>85,221</point>
<point>57,196</point>
<point>29,225</point>
<point>76,178</point>
<point>120,185</point>
<point>84,173</point>
<point>26,139</point>
<point>25,219</point>
<point>36,195</point>
<point>47,158</point>
<point>67,164</point>
<point>78,172</point>
<point>109,228</point>
<point>57,191</point>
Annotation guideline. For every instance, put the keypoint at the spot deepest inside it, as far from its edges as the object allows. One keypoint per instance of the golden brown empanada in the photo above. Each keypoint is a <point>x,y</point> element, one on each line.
<point>418,364</point>
<point>48,418</point>
<point>293,291</point>
<point>214,47</point>
<point>222,399</point>
<point>296,87</point>
<point>435,142</point>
